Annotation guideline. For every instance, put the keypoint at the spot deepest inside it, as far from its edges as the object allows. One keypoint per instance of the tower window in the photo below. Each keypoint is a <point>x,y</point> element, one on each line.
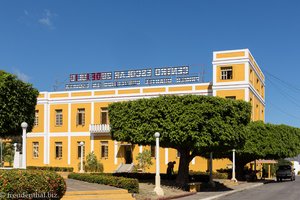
<point>226,73</point>
<point>231,97</point>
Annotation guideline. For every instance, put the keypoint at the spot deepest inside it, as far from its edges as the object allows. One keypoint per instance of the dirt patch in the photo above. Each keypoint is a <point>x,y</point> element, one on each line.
<point>147,192</point>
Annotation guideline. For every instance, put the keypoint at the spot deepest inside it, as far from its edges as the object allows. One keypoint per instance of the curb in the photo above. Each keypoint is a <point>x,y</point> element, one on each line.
<point>176,196</point>
<point>231,192</point>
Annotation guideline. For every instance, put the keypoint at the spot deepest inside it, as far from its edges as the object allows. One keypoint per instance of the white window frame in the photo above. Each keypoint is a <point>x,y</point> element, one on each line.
<point>80,117</point>
<point>36,118</point>
<point>58,150</point>
<point>35,149</point>
<point>104,112</point>
<point>79,150</point>
<point>225,73</point>
<point>104,149</point>
<point>58,117</point>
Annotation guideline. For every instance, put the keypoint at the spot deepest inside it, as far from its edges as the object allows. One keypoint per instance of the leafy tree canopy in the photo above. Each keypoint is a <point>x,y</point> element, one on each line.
<point>189,123</point>
<point>17,104</point>
<point>265,141</point>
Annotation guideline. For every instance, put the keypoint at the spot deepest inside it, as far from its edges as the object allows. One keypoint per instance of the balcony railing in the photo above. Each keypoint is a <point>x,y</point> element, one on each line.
<point>99,128</point>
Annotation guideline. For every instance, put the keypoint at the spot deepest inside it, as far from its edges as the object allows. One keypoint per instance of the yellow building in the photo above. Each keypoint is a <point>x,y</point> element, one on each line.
<point>65,118</point>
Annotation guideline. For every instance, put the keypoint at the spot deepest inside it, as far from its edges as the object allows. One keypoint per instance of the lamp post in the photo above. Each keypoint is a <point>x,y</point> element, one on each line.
<point>233,166</point>
<point>81,157</point>
<point>15,148</point>
<point>157,188</point>
<point>24,126</point>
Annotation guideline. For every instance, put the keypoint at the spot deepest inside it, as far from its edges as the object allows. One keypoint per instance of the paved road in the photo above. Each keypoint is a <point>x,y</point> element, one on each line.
<point>286,190</point>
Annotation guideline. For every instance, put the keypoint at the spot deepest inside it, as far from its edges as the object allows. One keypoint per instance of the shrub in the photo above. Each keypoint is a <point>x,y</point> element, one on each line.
<point>30,184</point>
<point>195,177</point>
<point>50,168</point>
<point>92,164</point>
<point>144,160</point>
<point>132,185</point>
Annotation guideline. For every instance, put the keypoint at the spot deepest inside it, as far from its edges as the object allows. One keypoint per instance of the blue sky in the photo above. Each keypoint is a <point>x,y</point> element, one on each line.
<point>45,41</point>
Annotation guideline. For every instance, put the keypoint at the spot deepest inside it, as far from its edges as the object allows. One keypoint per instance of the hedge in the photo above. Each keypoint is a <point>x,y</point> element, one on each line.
<point>130,184</point>
<point>31,184</point>
<point>50,168</point>
<point>197,177</point>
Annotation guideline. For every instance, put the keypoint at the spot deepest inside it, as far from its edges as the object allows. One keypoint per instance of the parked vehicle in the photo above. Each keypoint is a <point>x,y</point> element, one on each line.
<point>285,172</point>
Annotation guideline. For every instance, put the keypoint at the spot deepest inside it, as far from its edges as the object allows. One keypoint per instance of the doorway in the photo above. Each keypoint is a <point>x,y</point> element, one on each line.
<point>128,154</point>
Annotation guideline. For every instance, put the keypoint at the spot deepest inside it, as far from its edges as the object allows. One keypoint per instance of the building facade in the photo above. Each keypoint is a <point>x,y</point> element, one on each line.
<point>65,118</point>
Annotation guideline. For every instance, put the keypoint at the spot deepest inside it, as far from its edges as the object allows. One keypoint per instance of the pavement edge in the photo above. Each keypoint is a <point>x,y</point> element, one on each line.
<point>233,191</point>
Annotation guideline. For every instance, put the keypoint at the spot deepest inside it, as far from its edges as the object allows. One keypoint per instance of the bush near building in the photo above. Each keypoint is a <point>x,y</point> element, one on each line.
<point>30,184</point>
<point>130,184</point>
<point>50,168</point>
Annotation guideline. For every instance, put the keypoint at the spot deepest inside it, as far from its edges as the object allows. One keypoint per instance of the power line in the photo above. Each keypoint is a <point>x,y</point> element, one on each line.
<point>291,86</point>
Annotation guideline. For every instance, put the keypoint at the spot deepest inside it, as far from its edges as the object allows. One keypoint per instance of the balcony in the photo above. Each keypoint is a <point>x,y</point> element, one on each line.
<point>99,128</point>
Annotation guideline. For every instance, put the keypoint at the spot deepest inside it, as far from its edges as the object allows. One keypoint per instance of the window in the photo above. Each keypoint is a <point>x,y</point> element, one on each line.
<point>230,97</point>
<point>81,116</point>
<point>153,151</point>
<point>58,150</point>
<point>79,150</point>
<point>58,117</point>
<point>104,149</point>
<point>104,116</point>
<point>226,73</point>
<point>36,118</point>
<point>35,149</point>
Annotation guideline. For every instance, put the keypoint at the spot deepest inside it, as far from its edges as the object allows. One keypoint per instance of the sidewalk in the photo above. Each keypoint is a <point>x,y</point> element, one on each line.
<point>240,186</point>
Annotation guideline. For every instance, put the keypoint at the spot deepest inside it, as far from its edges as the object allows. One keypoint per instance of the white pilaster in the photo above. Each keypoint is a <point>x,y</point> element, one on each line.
<point>69,133</point>
<point>115,152</point>
<point>166,156</point>
<point>46,133</point>
<point>92,122</point>
<point>141,149</point>
<point>48,130</point>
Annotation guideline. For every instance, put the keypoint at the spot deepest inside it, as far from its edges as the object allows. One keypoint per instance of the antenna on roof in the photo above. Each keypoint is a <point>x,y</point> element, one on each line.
<point>57,85</point>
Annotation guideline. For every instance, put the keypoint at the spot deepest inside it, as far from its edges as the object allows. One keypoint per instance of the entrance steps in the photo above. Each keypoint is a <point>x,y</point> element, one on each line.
<point>124,168</point>
<point>119,194</point>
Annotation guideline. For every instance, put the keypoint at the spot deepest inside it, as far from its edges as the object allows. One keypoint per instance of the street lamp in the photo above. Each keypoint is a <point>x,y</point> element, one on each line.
<point>24,126</point>
<point>233,166</point>
<point>81,157</point>
<point>157,188</point>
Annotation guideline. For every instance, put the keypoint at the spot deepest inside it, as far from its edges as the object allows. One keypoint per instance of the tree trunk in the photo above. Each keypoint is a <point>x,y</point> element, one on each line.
<point>183,169</point>
<point>240,172</point>
<point>239,167</point>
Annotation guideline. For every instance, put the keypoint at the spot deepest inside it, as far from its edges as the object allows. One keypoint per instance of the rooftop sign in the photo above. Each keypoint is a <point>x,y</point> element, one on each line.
<point>134,77</point>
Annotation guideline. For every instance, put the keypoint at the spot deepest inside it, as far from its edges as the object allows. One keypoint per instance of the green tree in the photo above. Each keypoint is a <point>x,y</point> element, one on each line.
<point>266,141</point>
<point>144,160</point>
<point>17,104</point>
<point>188,123</point>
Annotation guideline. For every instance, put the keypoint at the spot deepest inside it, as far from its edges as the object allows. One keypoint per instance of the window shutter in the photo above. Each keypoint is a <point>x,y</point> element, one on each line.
<point>77,119</point>
<point>83,118</point>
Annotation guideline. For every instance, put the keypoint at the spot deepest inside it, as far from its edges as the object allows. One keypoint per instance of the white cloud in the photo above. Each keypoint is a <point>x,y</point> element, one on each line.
<point>47,19</point>
<point>21,75</point>
<point>26,12</point>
